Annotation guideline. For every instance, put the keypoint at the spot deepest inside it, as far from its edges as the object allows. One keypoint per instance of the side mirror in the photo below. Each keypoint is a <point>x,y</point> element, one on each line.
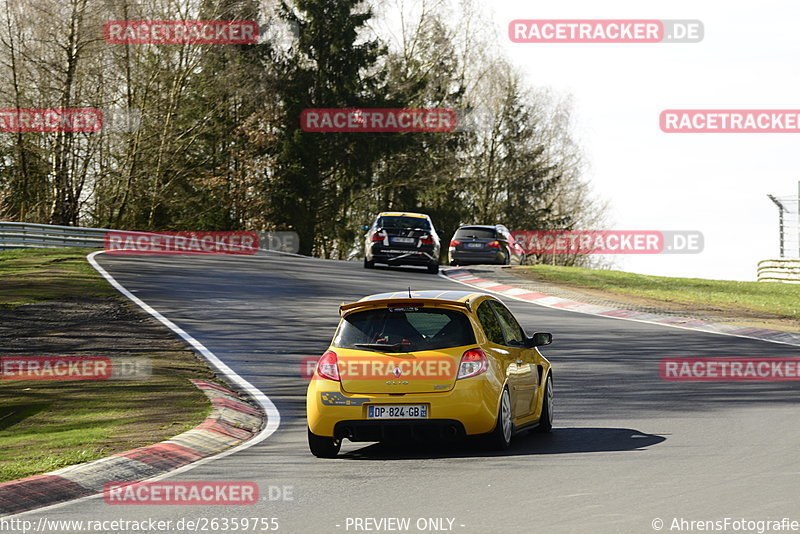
<point>365,227</point>
<point>540,338</point>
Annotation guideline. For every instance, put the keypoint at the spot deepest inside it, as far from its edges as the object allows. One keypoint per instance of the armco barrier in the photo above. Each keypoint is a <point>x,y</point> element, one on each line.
<point>779,271</point>
<point>30,235</point>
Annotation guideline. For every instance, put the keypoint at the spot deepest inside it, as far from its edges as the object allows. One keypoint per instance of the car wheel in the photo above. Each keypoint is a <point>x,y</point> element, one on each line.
<point>546,420</point>
<point>453,264</point>
<point>369,264</point>
<point>323,447</point>
<point>434,268</point>
<point>500,438</point>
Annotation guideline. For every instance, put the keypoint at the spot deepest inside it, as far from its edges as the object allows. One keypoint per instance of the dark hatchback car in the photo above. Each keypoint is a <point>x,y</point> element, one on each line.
<point>474,244</point>
<point>399,238</point>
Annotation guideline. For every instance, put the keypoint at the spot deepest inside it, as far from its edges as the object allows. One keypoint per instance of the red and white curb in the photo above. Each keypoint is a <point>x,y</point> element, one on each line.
<point>230,423</point>
<point>467,277</point>
<point>52,491</point>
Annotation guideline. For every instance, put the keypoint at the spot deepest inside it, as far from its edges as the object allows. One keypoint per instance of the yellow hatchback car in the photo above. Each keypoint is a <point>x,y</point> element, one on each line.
<point>428,365</point>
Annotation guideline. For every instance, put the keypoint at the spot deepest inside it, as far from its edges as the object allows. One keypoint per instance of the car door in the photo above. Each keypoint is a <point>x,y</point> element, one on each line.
<point>523,367</point>
<point>497,347</point>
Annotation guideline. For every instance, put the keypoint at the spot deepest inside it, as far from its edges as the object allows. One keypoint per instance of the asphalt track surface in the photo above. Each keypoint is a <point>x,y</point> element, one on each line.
<point>627,447</point>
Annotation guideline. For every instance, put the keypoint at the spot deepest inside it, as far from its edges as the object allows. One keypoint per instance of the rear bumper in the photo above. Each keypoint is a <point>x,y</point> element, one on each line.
<point>466,257</point>
<point>470,407</point>
<point>408,430</point>
<point>399,256</point>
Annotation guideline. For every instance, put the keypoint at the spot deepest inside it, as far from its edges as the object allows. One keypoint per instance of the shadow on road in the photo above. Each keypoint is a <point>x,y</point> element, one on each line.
<point>401,269</point>
<point>560,441</point>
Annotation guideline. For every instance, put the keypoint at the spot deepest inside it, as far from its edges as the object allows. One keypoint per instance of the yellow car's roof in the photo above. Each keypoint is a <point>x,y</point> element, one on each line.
<point>460,298</point>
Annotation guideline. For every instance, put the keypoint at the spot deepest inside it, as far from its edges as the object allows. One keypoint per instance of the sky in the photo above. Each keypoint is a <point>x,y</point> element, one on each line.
<point>715,183</point>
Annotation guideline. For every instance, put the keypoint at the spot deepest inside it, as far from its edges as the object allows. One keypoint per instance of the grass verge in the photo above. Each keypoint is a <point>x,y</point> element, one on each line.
<point>772,298</point>
<point>29,276</point>
<point>53,303</point>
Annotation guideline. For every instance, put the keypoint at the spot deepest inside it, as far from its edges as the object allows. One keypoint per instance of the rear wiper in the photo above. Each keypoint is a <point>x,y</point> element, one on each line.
<point>379,346</point>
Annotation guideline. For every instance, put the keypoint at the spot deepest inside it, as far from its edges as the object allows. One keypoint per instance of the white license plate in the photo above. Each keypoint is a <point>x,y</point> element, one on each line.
<point>403,240</point>
<point>474,245</point>
<point>397,411</point>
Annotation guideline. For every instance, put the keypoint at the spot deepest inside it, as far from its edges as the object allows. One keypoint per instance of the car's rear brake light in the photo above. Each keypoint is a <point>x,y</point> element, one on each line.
<point>455,242</point>
<point>494,244</point>
<point>377,236</point>
<point>473,363</point>
<point>426,240</point>
<point>328,366</point>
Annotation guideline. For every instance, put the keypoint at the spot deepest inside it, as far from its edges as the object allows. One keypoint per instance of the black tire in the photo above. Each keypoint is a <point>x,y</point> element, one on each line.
<point>323,447</point>
<point>369,264</point>
<point>433,268</point>
<point>500,438</point>
<point>453,264</point>
<point>546,420</point>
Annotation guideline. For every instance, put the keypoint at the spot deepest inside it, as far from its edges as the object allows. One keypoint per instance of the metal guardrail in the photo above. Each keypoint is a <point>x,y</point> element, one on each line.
<point>779,271</point>
<point>30,235</point>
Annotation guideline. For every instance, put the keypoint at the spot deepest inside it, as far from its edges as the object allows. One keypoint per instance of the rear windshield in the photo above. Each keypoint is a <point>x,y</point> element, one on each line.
<point>394,221</point>
<point>404,330</point>
<point>480,233</point>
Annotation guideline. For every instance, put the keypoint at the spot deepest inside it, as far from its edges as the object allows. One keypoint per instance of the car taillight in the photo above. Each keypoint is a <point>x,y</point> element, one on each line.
<point>426,240</point>
<point>473,362</point>
<point>377,237</point>
<point>328,366</point>
<point>454,242</point>
<point>494,244</point>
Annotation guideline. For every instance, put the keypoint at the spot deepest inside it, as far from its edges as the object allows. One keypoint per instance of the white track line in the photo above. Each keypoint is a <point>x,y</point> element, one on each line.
<point>645,321</point>
<point>273,415</point>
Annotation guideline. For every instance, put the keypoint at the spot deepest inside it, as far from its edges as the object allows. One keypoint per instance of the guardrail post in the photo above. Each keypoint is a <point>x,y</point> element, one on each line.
<point>781,209</point>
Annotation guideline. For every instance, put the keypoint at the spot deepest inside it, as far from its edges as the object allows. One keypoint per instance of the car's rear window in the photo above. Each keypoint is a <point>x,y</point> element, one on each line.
<point>480,233</point>
<point>395,221</point>
<point>404,329</point>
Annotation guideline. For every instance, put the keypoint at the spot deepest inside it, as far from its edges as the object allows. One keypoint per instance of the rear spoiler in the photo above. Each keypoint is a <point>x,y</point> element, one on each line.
<point>400,302</point>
